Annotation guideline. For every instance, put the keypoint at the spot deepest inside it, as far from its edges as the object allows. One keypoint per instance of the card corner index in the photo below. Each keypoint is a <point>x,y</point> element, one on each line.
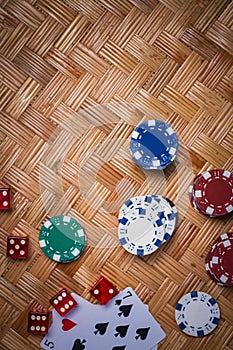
<point>129,289</point>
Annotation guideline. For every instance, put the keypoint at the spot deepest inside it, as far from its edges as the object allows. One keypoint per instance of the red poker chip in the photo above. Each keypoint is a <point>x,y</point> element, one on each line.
<point>208,268</point>
<point>213,277</point>
<point>191,195</point>
<point>219,239</point>
<point>191,198</point>
<point>221,264</point>
<point>213,192</point>
<point>209,271</point>
<point>219,260</point>
<point>221,267</point>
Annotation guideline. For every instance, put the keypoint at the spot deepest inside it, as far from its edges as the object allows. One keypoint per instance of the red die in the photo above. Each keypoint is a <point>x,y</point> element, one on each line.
<point>103,290</point>
<point>5,199</point>
<point>38,322</point>
<point>63,302</point>
<point>17,247</point>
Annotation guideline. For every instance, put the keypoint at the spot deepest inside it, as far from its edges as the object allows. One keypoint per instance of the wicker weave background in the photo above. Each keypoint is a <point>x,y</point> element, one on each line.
<point>76,77</point>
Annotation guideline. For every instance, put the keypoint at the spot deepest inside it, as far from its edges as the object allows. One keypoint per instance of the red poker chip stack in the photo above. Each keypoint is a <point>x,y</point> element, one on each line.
<point>219,260</point>
<point>211,193</point>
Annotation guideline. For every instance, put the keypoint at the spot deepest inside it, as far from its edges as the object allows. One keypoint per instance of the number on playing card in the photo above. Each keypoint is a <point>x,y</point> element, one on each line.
<point>48,343</point>
<point>128,295</point>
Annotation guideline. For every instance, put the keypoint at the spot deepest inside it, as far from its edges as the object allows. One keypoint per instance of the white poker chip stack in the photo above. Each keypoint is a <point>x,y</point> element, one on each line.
<point>145,223</point>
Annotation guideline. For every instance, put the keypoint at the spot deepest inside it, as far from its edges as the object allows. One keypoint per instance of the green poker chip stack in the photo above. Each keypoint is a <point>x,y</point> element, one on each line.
<point>62,239</point>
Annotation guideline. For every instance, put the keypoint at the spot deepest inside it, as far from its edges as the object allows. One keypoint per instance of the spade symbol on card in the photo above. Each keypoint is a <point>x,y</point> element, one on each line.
<point>142,333</point>
<point>79,344</point>
<point>118,302</point>
<point>121,331</point>
<point>101,328</point>
<point>119,347</point>
<point>125,310</point>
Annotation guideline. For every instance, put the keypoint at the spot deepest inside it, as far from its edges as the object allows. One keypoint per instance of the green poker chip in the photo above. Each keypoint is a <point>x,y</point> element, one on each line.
<point>62,239</point>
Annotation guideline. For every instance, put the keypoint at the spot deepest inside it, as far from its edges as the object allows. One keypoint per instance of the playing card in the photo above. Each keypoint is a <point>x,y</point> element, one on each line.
<point>123,324</point>
<point>127,323</point>
<point>62,333</point>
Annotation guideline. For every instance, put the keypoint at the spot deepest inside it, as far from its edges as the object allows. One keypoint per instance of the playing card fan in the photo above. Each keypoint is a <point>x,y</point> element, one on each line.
<point>211,193</point>
<point>145,223</point>
<point>124,323</point>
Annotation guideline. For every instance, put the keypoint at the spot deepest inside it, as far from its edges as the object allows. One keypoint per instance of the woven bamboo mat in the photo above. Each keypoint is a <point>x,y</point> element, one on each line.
<point>76,77</point>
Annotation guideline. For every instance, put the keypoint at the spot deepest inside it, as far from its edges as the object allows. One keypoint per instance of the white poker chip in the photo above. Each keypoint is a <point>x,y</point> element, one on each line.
<point>174,209</point>
<point>168,216</point>
<point>197,314</point>
<point>145,222</point>
<point>139,233</point>
<point>135,202</point>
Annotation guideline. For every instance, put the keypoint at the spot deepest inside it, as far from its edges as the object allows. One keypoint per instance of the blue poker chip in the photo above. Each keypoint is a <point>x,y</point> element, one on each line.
<point>154,144</point>
<point>197,314</point>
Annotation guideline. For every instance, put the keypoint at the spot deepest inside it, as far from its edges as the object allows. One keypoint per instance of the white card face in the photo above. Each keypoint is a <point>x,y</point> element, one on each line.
<point>62,333</point>
<point>125,323</point>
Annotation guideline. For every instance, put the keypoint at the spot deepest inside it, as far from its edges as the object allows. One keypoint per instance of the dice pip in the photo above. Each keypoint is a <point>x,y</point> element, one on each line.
<point>38,322</point>
<point>63,302</point>
<point>5,199</point>
<point>17,247</point>
<point>103,290</point>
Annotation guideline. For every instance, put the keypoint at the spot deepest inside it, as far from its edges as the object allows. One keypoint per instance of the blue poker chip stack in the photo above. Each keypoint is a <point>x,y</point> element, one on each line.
<point>153,145</point>
<point>145,223</point>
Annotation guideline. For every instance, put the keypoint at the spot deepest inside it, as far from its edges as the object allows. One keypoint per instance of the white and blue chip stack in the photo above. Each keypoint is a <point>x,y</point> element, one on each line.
<point>145,223</point>
<point>153,145</point>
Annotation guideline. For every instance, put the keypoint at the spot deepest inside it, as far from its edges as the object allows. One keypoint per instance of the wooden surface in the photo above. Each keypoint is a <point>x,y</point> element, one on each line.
<point>76,77</point>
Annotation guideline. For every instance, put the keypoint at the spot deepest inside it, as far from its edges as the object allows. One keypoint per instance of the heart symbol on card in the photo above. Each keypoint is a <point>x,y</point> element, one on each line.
<point>67,324</point>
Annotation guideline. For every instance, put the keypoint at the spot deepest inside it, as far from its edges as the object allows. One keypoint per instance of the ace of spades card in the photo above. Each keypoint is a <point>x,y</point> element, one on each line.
<point>125,323</point>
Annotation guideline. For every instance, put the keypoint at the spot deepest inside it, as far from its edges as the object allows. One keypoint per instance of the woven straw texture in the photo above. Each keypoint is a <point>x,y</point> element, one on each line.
<point>76,77</point>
